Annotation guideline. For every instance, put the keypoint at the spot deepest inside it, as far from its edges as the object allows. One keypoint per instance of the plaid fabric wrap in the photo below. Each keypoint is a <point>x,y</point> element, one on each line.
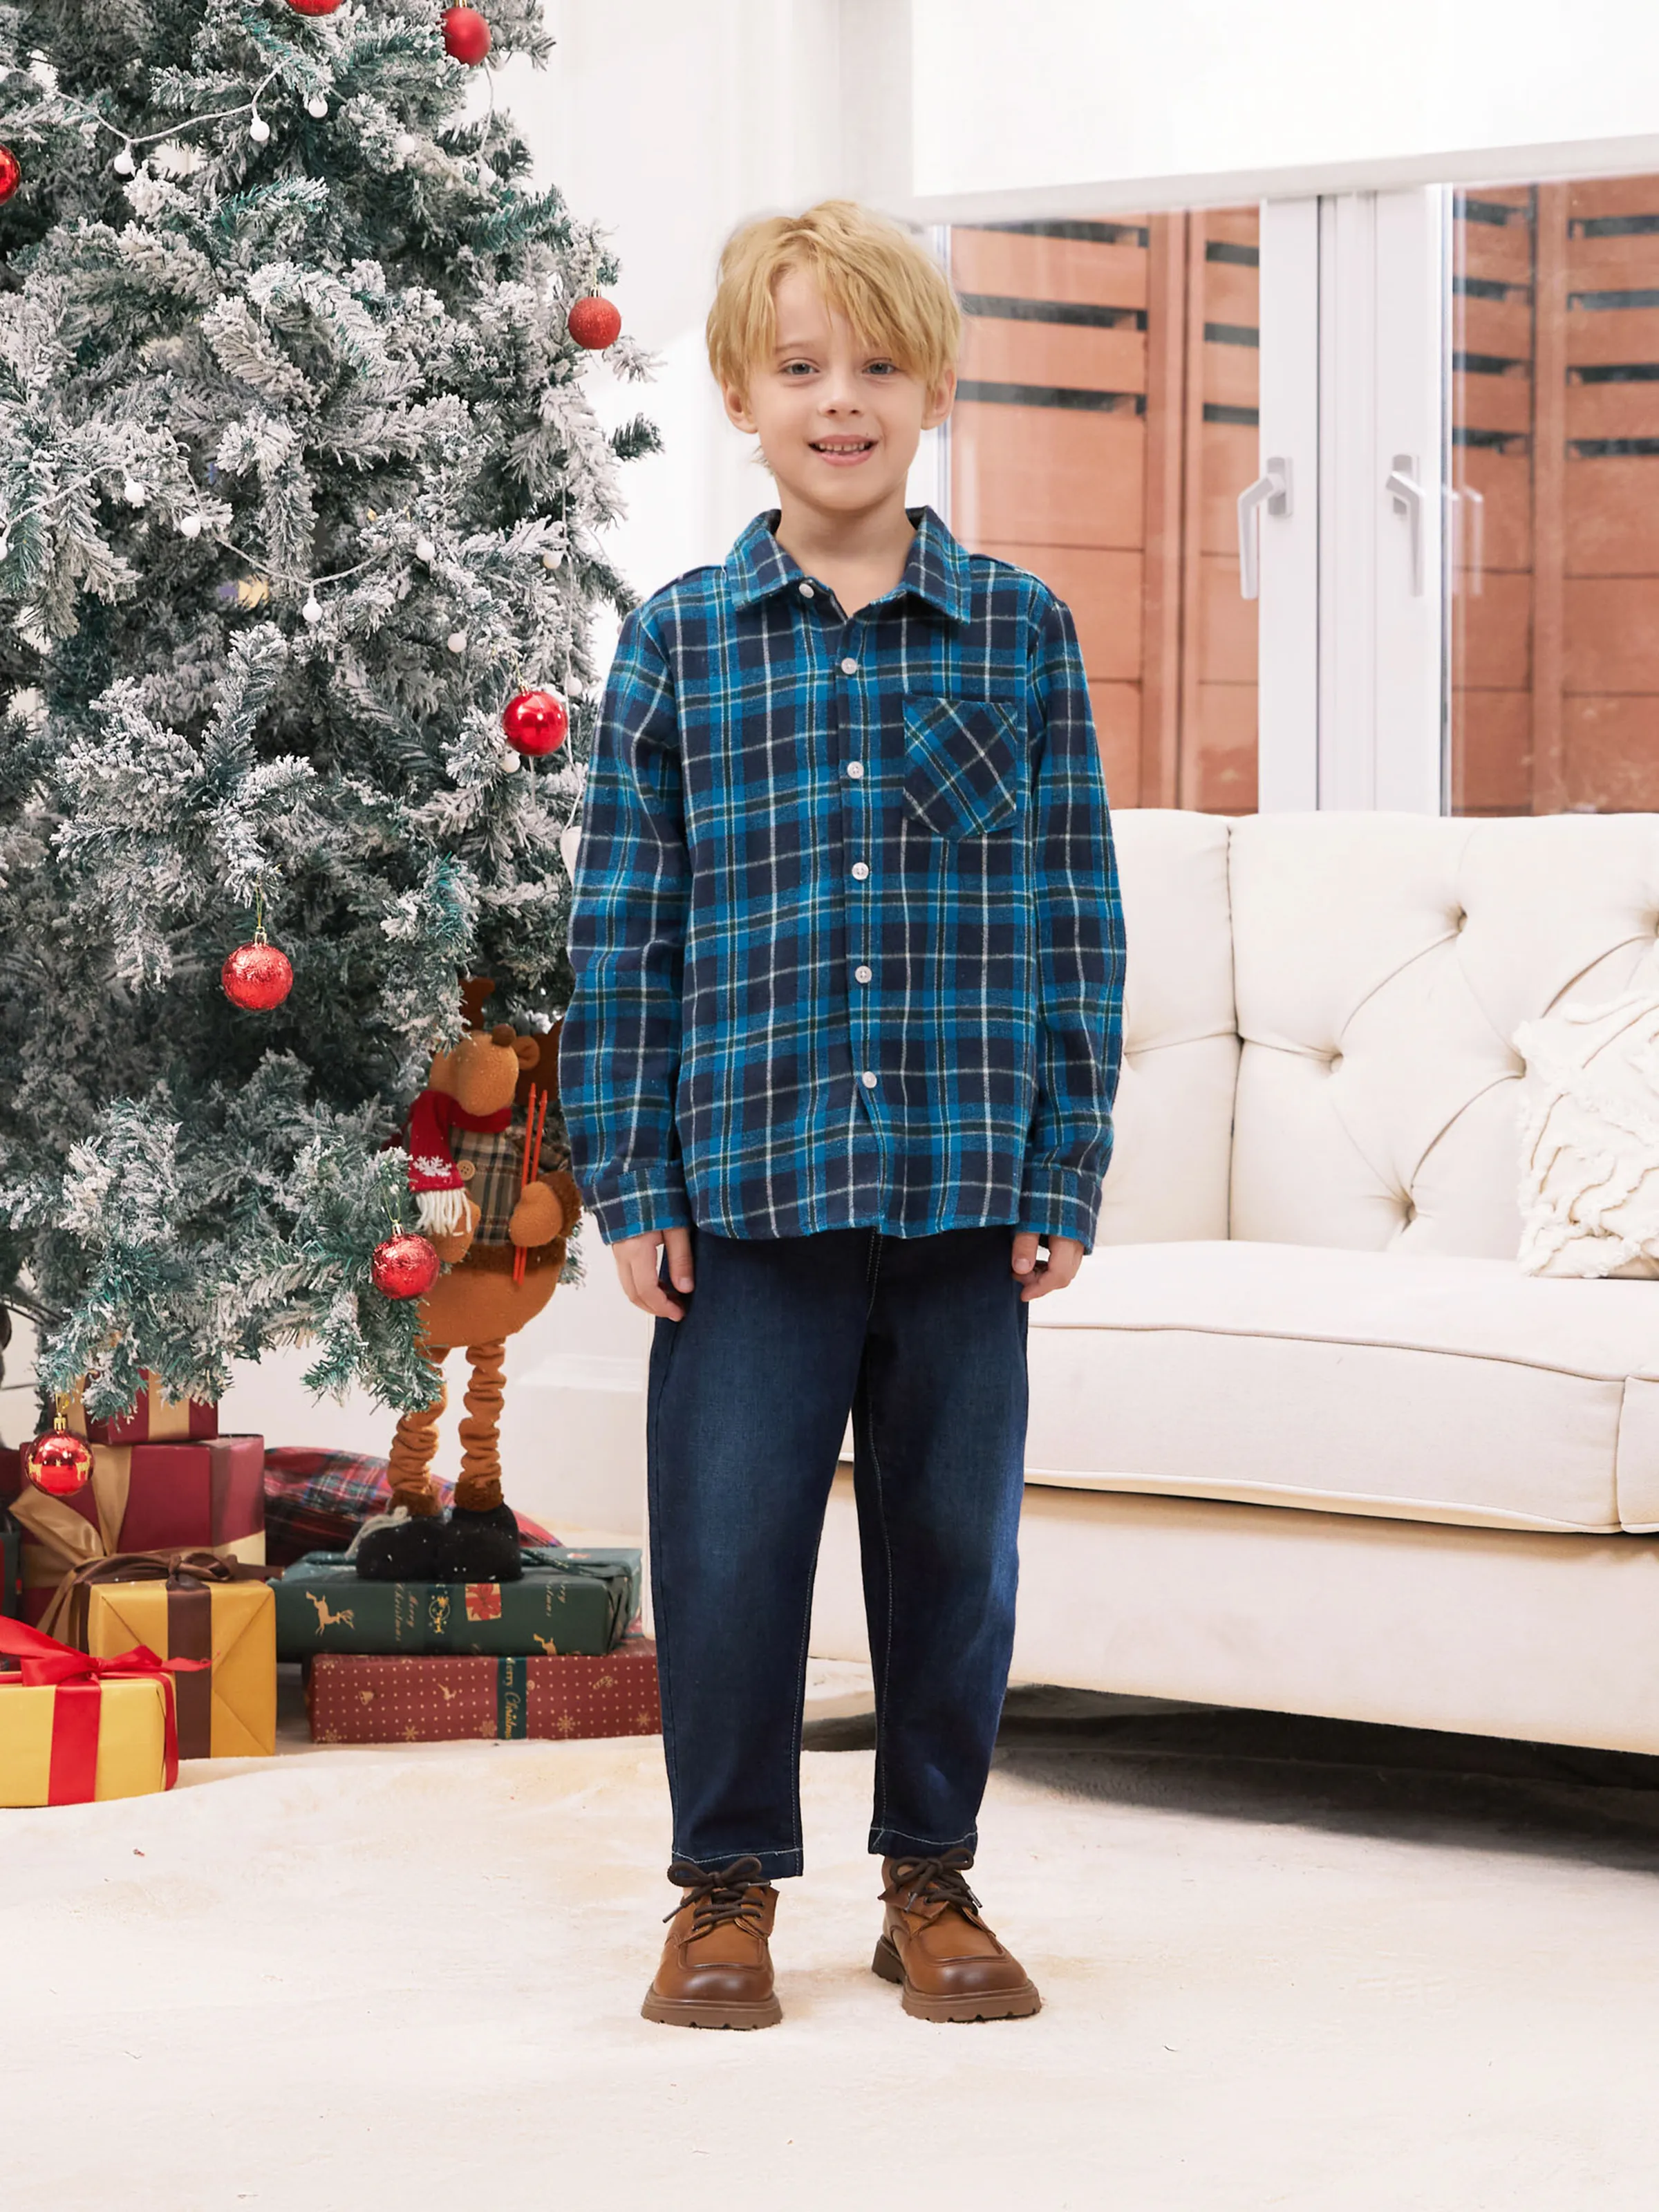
<point>315,1500</point>
<point>848,938</point>
<point>497,1163</point>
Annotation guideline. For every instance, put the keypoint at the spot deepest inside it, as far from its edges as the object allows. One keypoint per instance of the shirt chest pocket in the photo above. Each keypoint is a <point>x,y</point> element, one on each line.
<point>961,765</point>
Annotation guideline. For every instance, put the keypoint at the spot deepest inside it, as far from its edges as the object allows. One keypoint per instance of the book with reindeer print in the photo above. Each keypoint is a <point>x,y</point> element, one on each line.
<point>567,1603</point>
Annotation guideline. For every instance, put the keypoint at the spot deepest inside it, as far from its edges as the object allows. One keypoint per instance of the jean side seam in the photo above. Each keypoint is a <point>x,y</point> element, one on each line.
<point>880,1807</point>
<point>654,1424</point>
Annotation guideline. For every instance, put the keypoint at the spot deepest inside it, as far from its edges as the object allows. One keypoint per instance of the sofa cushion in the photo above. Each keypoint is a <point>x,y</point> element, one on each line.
<point>1382,963</point>
<point>1172,1153</point>
<point>1589,1180</point>
<point>1422,1388</point>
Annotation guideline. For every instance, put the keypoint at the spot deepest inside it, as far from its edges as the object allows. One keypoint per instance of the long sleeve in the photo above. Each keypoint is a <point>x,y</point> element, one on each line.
<point>619,1053</point>
<point>1080,954</point>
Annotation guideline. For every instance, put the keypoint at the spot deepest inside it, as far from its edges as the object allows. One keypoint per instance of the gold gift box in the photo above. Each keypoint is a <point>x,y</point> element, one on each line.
<point>131,1738</point>
<point>228,1713</point>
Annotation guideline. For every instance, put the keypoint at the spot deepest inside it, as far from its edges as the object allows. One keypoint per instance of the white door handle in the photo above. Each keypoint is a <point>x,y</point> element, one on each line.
<point>1271,489</point>
<point>1410,500</point>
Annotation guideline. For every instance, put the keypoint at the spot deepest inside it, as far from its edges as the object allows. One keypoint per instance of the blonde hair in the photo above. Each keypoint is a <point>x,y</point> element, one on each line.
<point>891,291</point>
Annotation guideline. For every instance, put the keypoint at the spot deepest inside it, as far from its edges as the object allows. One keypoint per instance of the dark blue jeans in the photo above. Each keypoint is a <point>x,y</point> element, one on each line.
<point>923,1339</point>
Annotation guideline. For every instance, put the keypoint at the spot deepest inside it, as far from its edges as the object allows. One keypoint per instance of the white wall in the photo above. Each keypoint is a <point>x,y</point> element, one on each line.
<point>1075,106</point>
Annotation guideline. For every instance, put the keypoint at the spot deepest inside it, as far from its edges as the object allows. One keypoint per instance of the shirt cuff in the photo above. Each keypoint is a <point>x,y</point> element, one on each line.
<point>632,1205</point>
<point>1059,1202</point>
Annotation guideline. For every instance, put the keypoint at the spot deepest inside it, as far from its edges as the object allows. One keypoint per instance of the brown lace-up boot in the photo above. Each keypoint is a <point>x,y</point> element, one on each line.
<point>936,1946</point>
<point>716,1968</point>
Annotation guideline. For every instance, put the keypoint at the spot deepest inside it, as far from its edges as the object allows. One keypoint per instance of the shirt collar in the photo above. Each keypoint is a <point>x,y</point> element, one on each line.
<point>936,571</point>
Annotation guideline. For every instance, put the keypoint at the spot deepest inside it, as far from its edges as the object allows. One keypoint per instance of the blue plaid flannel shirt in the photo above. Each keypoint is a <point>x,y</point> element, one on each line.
<point>846,934</point>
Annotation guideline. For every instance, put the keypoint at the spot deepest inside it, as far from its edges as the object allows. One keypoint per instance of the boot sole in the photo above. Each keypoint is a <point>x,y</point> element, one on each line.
<point>687,2012</point>
<point>990,2004</point>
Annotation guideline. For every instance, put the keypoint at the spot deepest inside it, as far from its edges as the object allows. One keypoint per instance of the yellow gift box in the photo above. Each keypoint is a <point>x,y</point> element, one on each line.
<point>54,1738</point>
<point>189,1607</point>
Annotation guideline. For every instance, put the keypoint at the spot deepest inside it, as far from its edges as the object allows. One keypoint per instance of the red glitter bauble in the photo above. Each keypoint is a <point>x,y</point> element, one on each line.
<point>406,1266</point>
<point>257,976</point>
<point>535,721</point>
<point>59,1463</point>
<point>594,323</point>
<point>313,7</point>
<point>11,173</point>
<point>466,34</point>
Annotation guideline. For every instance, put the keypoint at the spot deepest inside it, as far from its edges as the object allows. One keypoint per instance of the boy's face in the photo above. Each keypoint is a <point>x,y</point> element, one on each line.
<point>838,421</point>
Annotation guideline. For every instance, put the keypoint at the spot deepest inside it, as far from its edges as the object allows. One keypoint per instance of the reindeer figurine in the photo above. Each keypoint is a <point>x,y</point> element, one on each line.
<point>495,1195</point>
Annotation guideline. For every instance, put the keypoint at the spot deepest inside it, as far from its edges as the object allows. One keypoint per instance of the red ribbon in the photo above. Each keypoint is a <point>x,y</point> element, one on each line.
<point>78,1678</point>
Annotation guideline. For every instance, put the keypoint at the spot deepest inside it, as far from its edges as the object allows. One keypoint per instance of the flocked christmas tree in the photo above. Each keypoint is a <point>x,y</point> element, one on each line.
<point>299,488</point>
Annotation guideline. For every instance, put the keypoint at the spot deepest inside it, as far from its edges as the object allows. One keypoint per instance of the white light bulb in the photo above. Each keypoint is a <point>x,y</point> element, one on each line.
<point>311,612</point>
<point>317,107</point>
<point>134,492</point>
<point>551,559</point>
<point>509,762</point>
<point>425,550</point>
<point>122,164</point>
<point>456,641</point>
<point>259,130</point>
<point>191,525</point>
<point>403,144</point>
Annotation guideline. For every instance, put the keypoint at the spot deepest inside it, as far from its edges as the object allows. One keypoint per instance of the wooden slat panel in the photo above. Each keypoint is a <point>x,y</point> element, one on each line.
<point>1222,777</point>
<point>1103,589</point>
<point>1166,384</point>
<point>1026,268</point>
<point>1549,450</point>
<point>1617,334</point>
<point>1232,375</point>
<point>1007,352</point>
<point>1500,253</point>
<point>1503,327</point>
<point>1042,476</point>
<point>1612,754</point>
<point>1491,634</point>
<point>1236,226</point>
<point>1227,462</point>
<point>1612,410</point>
<point>1505,482</point>
<point>1117,728</point>
<point>1612,518</point>
<point>1612,265</point>
<point>1227,625</point>
<point>1604,196</point>
<point>1611,626</point>
<point>1492,402</point>
<point>1232,294</point>
<point>1492,753</point>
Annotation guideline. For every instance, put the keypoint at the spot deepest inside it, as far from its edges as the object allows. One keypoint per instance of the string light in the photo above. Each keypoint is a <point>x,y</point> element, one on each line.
<point>258,130</point>
<point>317,107</point>
<point>456,641</point>
<point>311,612</point>
<point>425,551</point>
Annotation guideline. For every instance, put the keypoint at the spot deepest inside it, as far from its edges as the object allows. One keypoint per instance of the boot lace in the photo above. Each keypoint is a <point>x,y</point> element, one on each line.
<point>719,1896</point>
<point>921,1883</point>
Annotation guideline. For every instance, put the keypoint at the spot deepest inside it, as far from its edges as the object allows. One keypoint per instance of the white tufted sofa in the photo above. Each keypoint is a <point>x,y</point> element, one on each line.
<point>1302,1434</point>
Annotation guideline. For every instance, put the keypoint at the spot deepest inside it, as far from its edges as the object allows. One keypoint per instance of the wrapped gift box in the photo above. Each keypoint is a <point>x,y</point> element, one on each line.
<point>153,1418</point>
<point>74,1728</point>
<point>207,1495</point>
<point>567,1603</point>
<point>443,1700</point>
<point>193,1607</point>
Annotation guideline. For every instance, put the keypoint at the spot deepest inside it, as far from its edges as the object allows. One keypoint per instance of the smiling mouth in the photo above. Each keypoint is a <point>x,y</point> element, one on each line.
<point>843,449</point>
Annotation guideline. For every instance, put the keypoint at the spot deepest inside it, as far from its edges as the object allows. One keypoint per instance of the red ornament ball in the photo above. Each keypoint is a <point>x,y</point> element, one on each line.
<point>257,976</point>
<point>313,7</point>
<point>466,34</point>
<point>406,1266</point>
<point>594,323</point>
<point>11,173</point>
<point>59,1463</point>
<point>535,721</point>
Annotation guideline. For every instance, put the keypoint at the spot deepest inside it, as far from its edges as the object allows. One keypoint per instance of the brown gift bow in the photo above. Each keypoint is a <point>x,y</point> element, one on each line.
<point>191,1577</point>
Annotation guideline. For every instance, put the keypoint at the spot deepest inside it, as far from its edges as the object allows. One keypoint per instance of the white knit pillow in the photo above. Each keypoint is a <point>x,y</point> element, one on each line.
<point>1589,1160</point>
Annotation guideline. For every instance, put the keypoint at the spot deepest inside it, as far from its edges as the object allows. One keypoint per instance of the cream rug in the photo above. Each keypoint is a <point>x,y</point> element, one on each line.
<point>1277,1974</point>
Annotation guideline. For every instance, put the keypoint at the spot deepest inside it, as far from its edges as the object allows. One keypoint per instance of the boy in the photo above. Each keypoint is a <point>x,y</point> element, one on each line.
<point>841,1060</point>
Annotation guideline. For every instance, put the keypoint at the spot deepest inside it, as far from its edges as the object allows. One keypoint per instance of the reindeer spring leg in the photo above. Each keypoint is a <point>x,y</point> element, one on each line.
<point>479,1489</point>
<point>416,1445</point>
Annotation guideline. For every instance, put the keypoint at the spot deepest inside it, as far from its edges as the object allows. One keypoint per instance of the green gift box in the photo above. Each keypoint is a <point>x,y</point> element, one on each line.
<point>566,1603</point>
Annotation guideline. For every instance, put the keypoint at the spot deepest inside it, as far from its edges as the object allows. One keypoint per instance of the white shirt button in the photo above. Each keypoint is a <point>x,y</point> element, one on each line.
<point>869,1078</point>
<point>864,974</point>
<point>849,668</point>
<point>855,769</point>
<point>860,870</point>
<point>806,591</point>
